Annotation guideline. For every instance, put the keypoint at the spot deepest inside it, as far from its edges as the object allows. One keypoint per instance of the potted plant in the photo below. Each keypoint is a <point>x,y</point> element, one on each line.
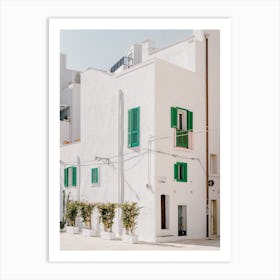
<point>129,214</point>
<point>107,214</point>
<point>86,209</point>
<point>72,210</point>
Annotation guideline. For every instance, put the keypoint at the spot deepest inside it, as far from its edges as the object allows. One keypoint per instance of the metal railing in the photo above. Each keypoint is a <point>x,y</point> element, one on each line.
<point>123,61</point>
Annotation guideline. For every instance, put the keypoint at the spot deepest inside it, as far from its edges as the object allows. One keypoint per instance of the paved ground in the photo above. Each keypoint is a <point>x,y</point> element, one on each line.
<point>80,242</point>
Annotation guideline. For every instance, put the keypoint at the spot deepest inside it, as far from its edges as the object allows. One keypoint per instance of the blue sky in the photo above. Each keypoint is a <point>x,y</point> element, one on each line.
<point>102,48</point>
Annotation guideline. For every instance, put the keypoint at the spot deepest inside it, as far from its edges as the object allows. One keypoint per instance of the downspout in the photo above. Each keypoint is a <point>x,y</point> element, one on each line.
<point>207,136</point>
<point>120,158</point>
<point>79,178</point>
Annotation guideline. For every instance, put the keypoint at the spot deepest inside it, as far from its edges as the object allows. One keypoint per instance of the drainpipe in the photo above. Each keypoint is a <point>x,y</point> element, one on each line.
<point>79,178</point>
<point>207,137</point>
<point>120,158</point>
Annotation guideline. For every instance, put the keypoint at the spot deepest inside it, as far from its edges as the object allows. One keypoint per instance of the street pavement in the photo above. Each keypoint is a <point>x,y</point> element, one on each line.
<point>80,242</point>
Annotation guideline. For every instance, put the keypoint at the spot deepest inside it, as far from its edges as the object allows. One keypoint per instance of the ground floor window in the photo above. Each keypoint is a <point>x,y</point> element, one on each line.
<point>70,176</point>
<point>164,211</point>
<point>182,220</point>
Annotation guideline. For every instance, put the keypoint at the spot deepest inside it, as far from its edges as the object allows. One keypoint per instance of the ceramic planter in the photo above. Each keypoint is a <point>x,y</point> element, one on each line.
<point>73,230</point>
<point>127,238</point>
<point>89,232</point>
<point>108,235</point>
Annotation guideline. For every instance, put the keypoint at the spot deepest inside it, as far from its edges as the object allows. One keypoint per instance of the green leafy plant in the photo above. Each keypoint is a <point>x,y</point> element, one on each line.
<point>107,214</point>
<point>86,209</point>
<point>129,214</point>
<point>72,210</point>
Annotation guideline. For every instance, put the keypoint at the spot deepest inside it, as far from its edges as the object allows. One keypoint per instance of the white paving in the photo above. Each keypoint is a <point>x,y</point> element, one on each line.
<point>80,242</point>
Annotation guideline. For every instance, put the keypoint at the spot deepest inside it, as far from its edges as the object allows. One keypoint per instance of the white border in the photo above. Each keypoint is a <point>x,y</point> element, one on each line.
<point>222,255</point>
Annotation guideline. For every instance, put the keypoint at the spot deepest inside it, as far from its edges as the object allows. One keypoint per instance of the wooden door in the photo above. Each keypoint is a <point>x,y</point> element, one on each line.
<point>213,217</point>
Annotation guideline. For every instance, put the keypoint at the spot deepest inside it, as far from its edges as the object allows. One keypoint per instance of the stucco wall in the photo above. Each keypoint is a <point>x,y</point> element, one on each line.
<point>99,137</point>
<point>177,87</point>
<point>181,54</point>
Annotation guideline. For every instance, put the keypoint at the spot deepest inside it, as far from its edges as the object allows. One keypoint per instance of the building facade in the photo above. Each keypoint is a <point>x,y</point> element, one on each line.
<point>143,138</point>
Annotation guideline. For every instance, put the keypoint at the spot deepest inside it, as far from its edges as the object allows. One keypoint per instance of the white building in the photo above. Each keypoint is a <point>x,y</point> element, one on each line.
<point>69,103</point>
<point>144,138</point>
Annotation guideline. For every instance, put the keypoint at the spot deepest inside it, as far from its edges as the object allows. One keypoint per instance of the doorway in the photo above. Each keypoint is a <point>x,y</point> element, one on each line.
<point>213,217</point>
<point>182,220</point>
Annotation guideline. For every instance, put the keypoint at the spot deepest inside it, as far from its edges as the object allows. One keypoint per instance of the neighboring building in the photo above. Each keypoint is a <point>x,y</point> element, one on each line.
<point>69,103</point>
<point>143,138</point>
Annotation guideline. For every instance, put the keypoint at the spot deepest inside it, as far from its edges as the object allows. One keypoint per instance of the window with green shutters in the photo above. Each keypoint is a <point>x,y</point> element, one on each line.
<point>181,172</point>
<point>70,176</point>
<point>94,175</point>
<point>182,121</point>
<point>134,127</point>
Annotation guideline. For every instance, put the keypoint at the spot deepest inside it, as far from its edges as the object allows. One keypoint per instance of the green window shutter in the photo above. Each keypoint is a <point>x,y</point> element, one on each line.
<point>134,127</point>
<point>173,112</point>
<point>129,127</point>
<point>176,171</point>
<point>74,176</point>
<point>185,172</point>
<point>183,166</point>
<point>65,177</point>
<point>94,175</point>
<point>190,120</point>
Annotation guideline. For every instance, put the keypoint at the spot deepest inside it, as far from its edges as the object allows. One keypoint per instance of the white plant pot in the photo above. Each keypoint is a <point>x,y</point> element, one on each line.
<point>130,238</point>
<point>63,230</point>
<point>89,232</point>
<point>108,235</point>
<point>73,230</point>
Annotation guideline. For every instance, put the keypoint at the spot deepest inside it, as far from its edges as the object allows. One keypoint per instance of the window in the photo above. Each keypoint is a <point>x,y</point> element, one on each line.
<point>134,127</point>
<point>182,220</point>
<point>164,206</point>
<point>181,172</point>
<point>94,175</point>
<point>213,164</point>
<point>70,176</point>
<point>182,121</point>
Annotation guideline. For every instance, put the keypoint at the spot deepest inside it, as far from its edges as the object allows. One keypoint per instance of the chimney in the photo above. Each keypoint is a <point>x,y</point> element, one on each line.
<point>147,47</point>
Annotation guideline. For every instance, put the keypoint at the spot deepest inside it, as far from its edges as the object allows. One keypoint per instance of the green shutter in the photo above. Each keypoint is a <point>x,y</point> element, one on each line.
<point>65,177</point>
<point>94,175</point>
<point>134,127</point>
<point>190,120</point>
<point>129,128</point>
<point>185,172</point>
<point>173,112</point>
<point>74,176</point>
<point>176,171</point>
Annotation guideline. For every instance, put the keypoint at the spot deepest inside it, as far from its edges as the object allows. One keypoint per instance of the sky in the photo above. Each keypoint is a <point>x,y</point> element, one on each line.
<point>103,48</point>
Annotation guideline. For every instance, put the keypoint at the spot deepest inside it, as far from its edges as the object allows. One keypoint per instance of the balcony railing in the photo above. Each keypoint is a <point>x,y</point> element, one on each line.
<point>123,61</point>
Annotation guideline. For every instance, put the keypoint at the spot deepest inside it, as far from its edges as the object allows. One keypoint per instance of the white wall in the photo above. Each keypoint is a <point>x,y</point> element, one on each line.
<point>177,87</point>
<point>64,131</point>
<point>181,54</point>
<point>138,88</point>
<point>99,137</point>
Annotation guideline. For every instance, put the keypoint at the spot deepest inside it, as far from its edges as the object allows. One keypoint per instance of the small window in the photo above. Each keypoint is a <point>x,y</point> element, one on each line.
<point>182,121</point>
<point>70,176</point>
<point>213,164</point>
<point>181,172</point>
<point>94,175</point>
<point>164,208</point>
<point>182,220</point>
